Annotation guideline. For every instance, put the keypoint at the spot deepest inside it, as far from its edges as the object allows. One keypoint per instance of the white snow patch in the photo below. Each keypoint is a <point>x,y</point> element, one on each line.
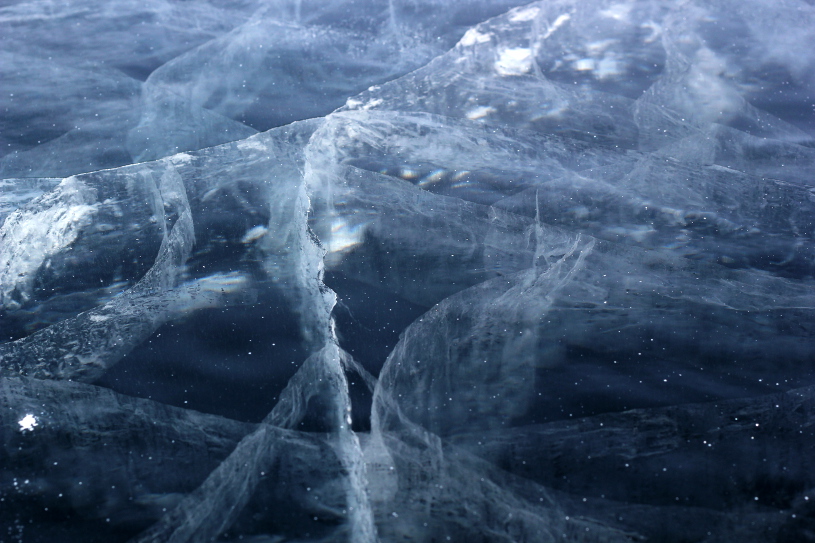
<point>372,104</point>
<point>514,61</point>
<point>30,236</point>
<point>181,158</point>
<point>27,423</point>
<point>473,37</point>
<point>353,103</point>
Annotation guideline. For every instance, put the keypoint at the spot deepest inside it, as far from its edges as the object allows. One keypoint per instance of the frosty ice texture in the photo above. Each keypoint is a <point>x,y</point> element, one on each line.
<point>419,271</point>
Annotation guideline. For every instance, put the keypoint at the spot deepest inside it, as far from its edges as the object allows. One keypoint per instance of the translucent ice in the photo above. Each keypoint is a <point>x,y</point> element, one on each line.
<point>368,270</point>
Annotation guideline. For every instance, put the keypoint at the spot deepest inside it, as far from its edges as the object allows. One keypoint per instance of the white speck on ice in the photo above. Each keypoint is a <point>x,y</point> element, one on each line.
<point>27,423</point>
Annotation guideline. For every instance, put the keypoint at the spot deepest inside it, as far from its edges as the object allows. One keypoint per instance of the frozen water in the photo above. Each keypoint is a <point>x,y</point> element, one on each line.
<point>368,270</point>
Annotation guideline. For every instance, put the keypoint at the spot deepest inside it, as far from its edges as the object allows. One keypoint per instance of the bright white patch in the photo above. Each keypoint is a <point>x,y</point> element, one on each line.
<point>345,235</point>
<point>31,236</point>
<point>372,104</point>
<point>584,64</point>
<point>473,36</point>
<point>524,15</point>
<point>560,21</point>
<point>617,11</point>
<point>480,112</point>
<point>99,318</point>
<point>514,61</point>
<point>408,174</point>
<point>181,158</point>
<point>27,423</point>
<point>251,144</point>
<point>352,103</point>
<point>254,234</point>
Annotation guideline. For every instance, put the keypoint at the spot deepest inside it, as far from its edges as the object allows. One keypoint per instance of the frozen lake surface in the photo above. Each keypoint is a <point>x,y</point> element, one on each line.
<point>407,270</point>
